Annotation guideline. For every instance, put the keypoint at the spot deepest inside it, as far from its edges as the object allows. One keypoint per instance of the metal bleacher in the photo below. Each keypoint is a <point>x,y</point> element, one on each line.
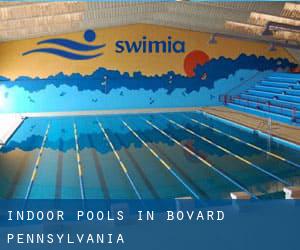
<point>277,97</point>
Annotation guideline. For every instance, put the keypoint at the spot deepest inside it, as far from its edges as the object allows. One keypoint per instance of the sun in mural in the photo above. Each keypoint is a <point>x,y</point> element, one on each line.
<point>192,59</point>
<point>295,69</point>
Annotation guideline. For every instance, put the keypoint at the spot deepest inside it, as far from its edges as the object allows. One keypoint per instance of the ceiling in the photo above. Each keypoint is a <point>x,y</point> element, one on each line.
<point>21,20</point>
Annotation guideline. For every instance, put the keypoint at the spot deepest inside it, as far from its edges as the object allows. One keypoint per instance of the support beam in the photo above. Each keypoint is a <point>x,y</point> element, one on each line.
<point>263,19</point>
<point>291,10</point>
<point>39,9</point>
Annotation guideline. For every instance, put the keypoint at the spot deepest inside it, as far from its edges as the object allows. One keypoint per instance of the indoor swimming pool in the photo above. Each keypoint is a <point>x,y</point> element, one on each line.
<point>143,156</point>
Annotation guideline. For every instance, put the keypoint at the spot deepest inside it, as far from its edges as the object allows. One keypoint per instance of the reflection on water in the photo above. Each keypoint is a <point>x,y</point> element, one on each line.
<point>180,158</point>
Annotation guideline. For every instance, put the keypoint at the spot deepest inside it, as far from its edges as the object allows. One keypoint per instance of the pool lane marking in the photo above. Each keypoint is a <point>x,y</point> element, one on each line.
<point>165,164</point>
<point>37,163</point>
<point>122,165</point>
<point>79,165</point>
<point>230,153</point>
<point>235,183</point>
<point>140,170</point>
<point>246,143</point>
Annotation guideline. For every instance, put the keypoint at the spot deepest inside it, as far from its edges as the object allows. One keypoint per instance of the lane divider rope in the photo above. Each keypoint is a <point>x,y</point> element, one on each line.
<point>230,153</point>
<point>37,164</point>
<point>220,118</point>
<point>246,143</point>
<point>79,164</point>
<point>122,165</point>
<point>164,163</point>
<point>235,183</point>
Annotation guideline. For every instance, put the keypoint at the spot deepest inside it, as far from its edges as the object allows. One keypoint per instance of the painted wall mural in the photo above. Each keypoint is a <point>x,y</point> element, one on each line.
<point>134,66</point>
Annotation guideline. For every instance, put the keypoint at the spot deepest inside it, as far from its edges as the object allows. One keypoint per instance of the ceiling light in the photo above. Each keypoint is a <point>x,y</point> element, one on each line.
<point>287,35</point>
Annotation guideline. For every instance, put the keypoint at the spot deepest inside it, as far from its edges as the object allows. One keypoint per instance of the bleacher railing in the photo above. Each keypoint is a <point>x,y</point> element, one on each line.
<point>281,109</point>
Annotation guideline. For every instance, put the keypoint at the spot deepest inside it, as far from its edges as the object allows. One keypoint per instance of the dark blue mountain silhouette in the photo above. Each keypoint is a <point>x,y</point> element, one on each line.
<point>215,69</point>
<point>2,78</point>
<point>151,136</point>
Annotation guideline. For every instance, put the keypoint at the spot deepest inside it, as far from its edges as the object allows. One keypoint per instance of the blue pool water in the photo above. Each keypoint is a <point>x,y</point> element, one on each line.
<point>142,156</point>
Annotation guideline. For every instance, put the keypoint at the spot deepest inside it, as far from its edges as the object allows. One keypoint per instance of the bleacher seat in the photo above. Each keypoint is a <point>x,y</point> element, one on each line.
<point>280,84</point>
<point>277,96</point>
<point>284,91</point>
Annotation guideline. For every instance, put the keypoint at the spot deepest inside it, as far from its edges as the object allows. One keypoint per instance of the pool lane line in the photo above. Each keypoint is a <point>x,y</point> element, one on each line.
<point>122,165</point>
<point>99,169</point>
<point>244,142</point>
<point>79,165</point>
<point>166,165</point>
<point>180,171</point>
<point>59,169</point>
<point>205,162</point>
<point>260,133</point>
<point>37,164</point>
<point>139,169</point>
<point>230,153</point>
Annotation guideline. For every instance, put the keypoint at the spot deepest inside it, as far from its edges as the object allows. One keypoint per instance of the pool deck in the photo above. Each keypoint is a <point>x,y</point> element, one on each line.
<point>109,112</point>
<point>280,130</point>
<point>9,123</point>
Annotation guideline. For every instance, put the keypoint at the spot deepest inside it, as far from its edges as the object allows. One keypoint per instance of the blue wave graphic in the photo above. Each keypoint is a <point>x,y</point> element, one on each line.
<point>62,53</point>
<point>89,36</point>
<point>72,44</point>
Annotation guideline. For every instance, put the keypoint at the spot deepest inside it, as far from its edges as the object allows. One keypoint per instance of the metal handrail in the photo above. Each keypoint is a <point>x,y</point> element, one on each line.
<point>242,84</point>
<point>230,99</point>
